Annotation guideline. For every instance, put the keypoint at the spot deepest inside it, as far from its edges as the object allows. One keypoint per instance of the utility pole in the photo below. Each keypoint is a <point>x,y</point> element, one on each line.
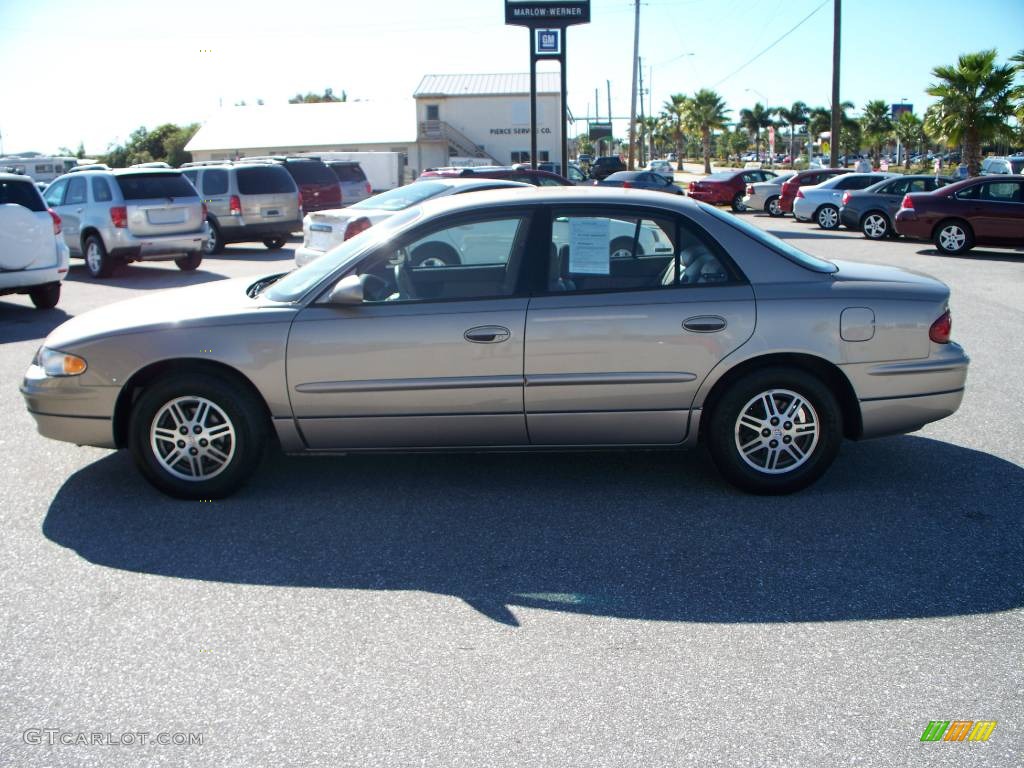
<point>611,139</point>
<point>833,156</point>
<point>632,103</point>
<point>597,119</point>
<point>643,122</point>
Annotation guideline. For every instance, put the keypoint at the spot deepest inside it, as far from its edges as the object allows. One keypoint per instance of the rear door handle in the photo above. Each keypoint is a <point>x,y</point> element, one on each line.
<point>704,323</point>
<point>487,334</point>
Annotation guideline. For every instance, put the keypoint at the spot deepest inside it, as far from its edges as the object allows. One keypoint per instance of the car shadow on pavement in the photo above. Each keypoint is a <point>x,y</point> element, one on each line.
<point>976,254</point>
<point>21,323</point>
<point>900,528</point>
<point>255,253</point>
<point>153,275</point>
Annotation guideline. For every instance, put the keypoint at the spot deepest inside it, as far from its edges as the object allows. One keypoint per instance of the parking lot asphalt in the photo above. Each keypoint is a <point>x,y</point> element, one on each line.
<point>617,609</point>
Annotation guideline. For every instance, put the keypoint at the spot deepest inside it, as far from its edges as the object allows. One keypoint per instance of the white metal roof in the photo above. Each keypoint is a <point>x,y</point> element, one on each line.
<point>486,85</point>
<point>308,125</point>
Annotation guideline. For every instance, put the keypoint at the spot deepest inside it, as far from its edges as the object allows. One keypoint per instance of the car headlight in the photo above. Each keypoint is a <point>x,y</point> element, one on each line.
<point>56,363</point>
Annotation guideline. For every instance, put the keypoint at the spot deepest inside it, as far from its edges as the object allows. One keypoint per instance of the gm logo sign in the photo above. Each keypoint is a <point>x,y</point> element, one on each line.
<point>547,42</point>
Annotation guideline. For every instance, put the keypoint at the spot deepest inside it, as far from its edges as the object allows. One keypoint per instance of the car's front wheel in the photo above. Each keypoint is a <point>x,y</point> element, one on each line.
<point>197,436</point>
<point>737,203</point>
<point>774,207</point>
<point>875,226</point>
<point>45,296</point>
<point>275,243</point>
<point>827,217</point>
<point>191,262</point>
<point>954,237</point>
<point>775,431</point>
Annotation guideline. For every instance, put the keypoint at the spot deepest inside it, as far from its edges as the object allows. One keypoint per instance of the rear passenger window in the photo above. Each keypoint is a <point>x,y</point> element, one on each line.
<point>348,172</point>
<point>76,191</point>
<point>215,181</point>
<point>623,253</point>
<point>100,190</point>
<point>895,188</point>
<point>921,185</point>
<point>21,193</point>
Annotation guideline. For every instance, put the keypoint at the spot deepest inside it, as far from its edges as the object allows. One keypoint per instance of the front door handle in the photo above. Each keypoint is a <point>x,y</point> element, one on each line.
<point>704,323</point>
<point>487,334</point>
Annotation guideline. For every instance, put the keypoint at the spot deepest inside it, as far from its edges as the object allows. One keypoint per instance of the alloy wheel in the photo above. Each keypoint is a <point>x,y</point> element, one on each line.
<point>192,438</point>
<point>952,237</point>
<point>775,207</point>
<point>93,257</point>
<point>777,431</point>
<point>828,217</point>
<point>875,226</point>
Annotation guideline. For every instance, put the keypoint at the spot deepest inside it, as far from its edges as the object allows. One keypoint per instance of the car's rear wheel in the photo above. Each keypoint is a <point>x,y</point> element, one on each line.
<point>197,436</point>
<point>774,207</point>
<point>97,260</point>
<point>737,203</point>
<point>275,243</point>
<point>775,431</point>
<point>45,296</point>
<point>827,217</point>
<point>954,237</point>
<point>191,262</point>
<point>214,243</point>
<point>875,226</point>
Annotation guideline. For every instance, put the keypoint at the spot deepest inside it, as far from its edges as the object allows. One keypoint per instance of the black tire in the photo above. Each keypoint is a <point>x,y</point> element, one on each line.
<point>98,261</point>
<point>191,262</point>
<point>949,243</point>
<point>875,225</point>
<point>827,217</point>
<point>737,203</point>
<point>434,254</point>
<point>725,433</point>
<point>45,296</point>
<point>773,207</point>
<point>275,243</point>
<point>620,244</point>
<point>214,244</point>
<point>242,411</point>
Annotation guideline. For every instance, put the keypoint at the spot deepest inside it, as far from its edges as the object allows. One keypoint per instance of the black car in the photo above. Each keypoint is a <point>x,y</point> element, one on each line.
<point>640,180</point>
<point>602,167</point>
<point>872,209</point>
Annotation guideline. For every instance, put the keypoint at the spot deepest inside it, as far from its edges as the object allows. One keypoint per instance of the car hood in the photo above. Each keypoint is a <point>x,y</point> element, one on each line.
<point>223,302</point>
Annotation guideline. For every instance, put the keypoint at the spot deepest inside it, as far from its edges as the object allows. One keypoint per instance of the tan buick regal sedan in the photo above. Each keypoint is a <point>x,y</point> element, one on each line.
<point>572,318</point>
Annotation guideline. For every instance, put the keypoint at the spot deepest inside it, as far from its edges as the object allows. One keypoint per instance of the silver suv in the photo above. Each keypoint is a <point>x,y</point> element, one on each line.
<point>247,202</point>
<point>130,214</point>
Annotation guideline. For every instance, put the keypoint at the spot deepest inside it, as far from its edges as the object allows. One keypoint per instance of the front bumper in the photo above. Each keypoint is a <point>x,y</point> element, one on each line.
<point>849,218</point>
<point>65,409</point>
<point>304,255</point>
<point>125,245</point>
<point>803,210</point>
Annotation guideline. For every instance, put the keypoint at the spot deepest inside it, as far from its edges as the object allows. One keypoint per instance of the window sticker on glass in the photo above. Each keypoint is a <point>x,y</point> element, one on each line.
<point>588,247</point>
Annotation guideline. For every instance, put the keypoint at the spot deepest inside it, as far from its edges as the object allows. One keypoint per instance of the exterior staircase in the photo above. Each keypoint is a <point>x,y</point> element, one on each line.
<point>459,143</point>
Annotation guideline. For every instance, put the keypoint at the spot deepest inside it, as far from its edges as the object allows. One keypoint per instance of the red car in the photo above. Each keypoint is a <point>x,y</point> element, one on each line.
<point>727,187</point>
<point>804,179</point>
<point>527,175</point>
<point>318,187</point>
<point>982,211</point>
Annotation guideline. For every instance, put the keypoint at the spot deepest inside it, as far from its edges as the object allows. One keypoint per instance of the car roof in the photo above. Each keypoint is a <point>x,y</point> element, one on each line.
<point>461,181</point>
<point>567,196</point>
<point>15,177</point>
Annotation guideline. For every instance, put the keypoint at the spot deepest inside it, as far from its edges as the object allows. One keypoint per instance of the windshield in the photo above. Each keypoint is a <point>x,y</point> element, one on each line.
<point>402,197</point>
<point>779,246</point>
<point>298,282</point>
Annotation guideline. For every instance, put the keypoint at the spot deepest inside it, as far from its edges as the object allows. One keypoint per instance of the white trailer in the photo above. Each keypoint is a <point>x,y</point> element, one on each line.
<point>384,170</point>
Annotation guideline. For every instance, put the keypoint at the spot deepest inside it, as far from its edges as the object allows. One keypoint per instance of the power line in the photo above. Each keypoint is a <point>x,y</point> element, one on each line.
<point>762,53</point>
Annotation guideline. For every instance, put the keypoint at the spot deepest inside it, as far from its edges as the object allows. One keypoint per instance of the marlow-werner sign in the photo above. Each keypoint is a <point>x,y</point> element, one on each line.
<point>557,14</point>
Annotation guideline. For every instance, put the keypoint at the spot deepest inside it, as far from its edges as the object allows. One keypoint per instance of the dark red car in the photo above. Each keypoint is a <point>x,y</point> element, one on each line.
<point>982,211</point>
<point>319,187</point>
<point>727,187</point>
<point>805,179</point>
<point>527,175</point>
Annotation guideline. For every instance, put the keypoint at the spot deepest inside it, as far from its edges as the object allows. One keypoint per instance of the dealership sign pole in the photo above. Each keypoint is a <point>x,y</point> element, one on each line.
<point>547,22</point>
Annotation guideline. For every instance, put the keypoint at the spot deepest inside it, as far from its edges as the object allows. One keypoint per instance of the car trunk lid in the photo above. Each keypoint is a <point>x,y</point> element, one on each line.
<point>160,204</point>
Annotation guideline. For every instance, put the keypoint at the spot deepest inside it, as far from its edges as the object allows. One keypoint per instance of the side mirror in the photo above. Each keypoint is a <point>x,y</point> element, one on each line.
<point>347,291</point>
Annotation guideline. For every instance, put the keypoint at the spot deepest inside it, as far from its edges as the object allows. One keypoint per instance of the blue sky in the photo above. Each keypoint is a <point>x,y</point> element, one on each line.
<point>95,71</point>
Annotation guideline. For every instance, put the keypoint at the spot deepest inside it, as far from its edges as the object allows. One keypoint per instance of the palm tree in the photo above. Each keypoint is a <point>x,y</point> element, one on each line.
<point>820,121</point>
<point>909,129</point>
<point>974,102</point>
<point>706,112</point>
<point>876,125</point>
<point>796,115</point>
<point>674,113</point>
<point>1018,93</point>
<point>754,120</point>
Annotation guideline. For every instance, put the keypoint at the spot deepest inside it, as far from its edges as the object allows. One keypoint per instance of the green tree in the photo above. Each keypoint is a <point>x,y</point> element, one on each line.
<point>820,121</point>
<point>674,115</point>
<point>317,98</point>
<point>164,143</point>
<point>974,101</point>
<point>909,129</point>
<point>876,126</point>
<point>795,115</point>
<point>706,112</point>
<point>754,121</point>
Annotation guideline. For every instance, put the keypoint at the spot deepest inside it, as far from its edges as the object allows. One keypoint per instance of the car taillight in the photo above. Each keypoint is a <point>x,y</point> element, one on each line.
<point>56,221</point>
<point>846,198</point>
<point>941,328</point>
<point>693,185</point>
<point>235,205</point>
<point>800,193</point>
<point>750,189</point>
<point>369,189</point>
<point>355,227</point>
<point>627,184</point>
<point>119,216</point>
<point>907,202</point>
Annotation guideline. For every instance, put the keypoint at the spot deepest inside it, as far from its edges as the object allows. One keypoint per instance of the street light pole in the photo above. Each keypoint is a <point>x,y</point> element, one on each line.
<point>632,107</point>
<point>833,154</point>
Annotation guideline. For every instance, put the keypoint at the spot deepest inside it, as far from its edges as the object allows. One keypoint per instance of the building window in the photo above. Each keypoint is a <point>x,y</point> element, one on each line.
<point>545,156</point>
<point>433,112</point>
<point>520,157</point>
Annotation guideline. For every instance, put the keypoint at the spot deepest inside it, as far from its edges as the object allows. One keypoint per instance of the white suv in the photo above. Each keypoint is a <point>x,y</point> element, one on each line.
<point>33,256</point>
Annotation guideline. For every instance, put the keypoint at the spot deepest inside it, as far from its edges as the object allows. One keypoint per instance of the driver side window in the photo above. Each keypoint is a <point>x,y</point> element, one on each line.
<point>474,259</point>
